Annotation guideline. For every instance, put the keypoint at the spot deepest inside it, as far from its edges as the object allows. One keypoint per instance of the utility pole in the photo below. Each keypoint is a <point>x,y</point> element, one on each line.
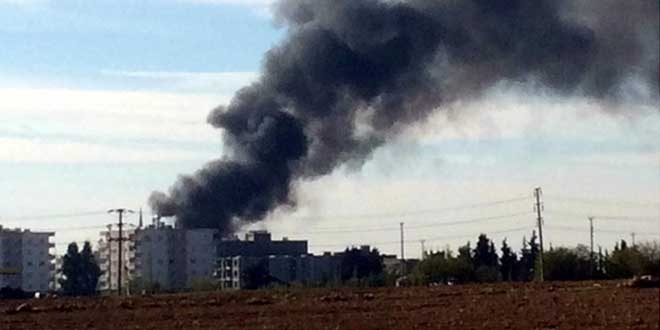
<point>403,258</point>
<point>632,236</point>
<point>539,206</point>
<point>600,260</point>
<point>120,239</point>
<point>423,248</point>
<point>109,257</point>
<point>591,255</point>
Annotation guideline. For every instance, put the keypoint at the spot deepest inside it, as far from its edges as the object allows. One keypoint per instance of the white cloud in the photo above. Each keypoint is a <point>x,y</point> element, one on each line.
<point>56,125</point>
<point>515,114</point>
<point>216,82</point>
<point>76,125</point>
<point>15,150</point>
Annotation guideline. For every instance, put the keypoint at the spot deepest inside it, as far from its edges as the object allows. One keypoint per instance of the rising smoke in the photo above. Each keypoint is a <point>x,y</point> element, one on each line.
<point>352,74</point>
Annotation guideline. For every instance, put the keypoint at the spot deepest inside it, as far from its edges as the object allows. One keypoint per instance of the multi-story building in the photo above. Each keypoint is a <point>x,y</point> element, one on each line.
<point>169,257</point>
<point>285,261</point>
<point>108,258</point>
<point>155,259</point>
<point>26,260</point>
<point>201,255</point>
<point>281,269</point>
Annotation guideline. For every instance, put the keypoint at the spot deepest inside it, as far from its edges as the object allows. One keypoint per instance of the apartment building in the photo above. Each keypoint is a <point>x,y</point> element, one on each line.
<point>285,261</point>
<point>27,260</point>
<point>158,254</point>
<point>108,258</point>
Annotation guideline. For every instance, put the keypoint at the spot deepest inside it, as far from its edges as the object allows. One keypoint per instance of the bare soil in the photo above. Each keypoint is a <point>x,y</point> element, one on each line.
<point>587,305</point>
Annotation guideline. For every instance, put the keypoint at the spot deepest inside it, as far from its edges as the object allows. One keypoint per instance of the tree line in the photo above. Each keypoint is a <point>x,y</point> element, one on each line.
<point>484,263</point>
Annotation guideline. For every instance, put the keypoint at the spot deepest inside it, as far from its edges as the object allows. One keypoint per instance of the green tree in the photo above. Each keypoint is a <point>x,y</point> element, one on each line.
<point>508,262</point>
<point>80,272</point>
<point>435,268</point>
<point>651,253</point>
<point>625,262</point>
<point>484,252</point>
<point>463,267</point>
<point>563,264</point>
<point>528,259</point>
<point>363,266</point>
<point>443,267</point>
<point>485,260</point>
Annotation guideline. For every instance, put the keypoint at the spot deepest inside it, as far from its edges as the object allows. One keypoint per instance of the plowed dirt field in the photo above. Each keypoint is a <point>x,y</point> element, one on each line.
<point>500,306</point>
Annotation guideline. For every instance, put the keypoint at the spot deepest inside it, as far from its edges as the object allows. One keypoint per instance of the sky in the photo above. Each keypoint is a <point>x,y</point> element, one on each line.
<point>103,102</point>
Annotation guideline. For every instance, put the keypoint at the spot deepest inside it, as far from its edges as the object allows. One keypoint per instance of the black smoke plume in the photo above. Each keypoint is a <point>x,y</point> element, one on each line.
<point>353,73</point>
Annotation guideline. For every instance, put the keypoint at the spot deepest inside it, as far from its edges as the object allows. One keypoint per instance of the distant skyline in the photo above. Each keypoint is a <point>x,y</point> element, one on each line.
<point>106,101</point>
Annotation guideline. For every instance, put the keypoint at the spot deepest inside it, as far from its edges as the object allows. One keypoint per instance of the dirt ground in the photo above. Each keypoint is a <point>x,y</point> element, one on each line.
<point>500,306</point>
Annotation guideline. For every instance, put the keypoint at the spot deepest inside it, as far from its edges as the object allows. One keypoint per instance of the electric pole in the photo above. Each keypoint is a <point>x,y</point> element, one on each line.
<point>120,239</point>
<point>423,249</point>
<point>539,206</point>
<point>109,257</point>
<point>403,258</point>
<point>591,255</point>
<point>632,237</point>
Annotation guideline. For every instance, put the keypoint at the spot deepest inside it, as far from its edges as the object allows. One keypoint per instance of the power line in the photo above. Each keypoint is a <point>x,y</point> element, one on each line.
<point>431,225</point>
<point>431,239</point>
<point>473,220</point>
<point>504,231</point>
<point>52,216</point>
<point>598,201</point>
<point>414,212</point>
<point>369,229</point>
<point>326,217</point>
<point>605,217</point>
<point>609,231</point>
<point>65,229</point>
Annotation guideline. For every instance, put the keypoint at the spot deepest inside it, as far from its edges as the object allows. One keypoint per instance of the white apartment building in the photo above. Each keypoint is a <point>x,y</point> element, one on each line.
<point>26,260</point>
<point>108,258</point>
<point>171,257</point>
<point>156,259</point>
<point>175,258</point>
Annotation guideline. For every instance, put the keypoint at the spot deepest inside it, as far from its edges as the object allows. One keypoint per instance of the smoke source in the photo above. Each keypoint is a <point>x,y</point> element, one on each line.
<point>352,74</point>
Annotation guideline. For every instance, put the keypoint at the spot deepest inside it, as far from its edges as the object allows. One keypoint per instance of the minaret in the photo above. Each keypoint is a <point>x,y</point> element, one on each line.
<point>140,221</point>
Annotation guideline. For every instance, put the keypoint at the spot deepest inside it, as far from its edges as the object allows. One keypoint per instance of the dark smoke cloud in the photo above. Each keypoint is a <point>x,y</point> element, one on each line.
<point>351,74</point>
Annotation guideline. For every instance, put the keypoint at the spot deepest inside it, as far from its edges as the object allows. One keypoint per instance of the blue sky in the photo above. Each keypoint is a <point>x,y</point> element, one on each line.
<point>81,43</point>
<point>105,101</point>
